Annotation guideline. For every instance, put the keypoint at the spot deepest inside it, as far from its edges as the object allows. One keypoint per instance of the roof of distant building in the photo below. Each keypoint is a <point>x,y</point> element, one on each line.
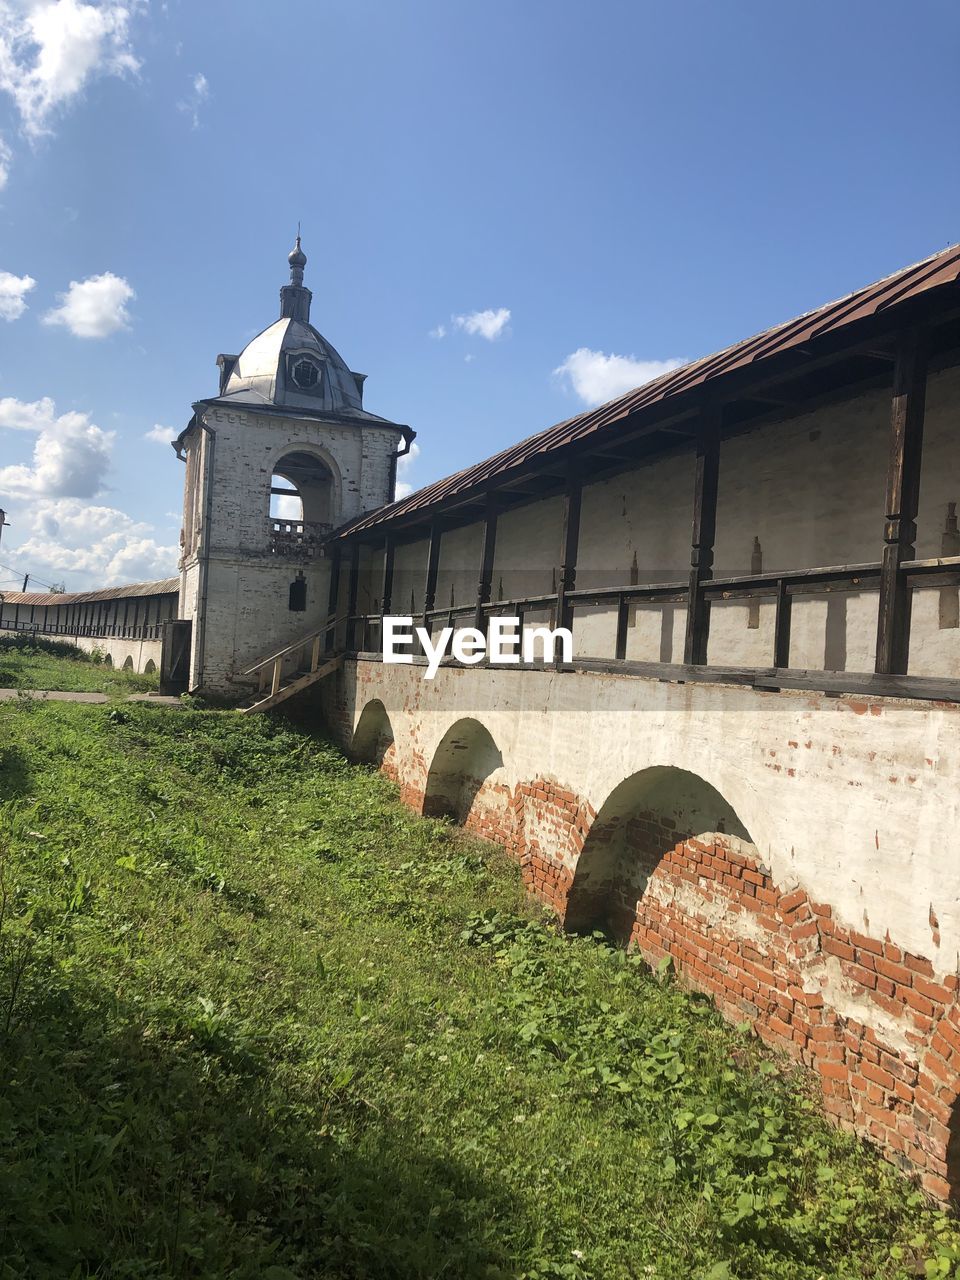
<point>163,587</point>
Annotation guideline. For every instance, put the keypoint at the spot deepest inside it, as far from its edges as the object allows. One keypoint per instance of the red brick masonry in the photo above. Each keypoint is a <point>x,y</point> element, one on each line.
<point>880,1030</point>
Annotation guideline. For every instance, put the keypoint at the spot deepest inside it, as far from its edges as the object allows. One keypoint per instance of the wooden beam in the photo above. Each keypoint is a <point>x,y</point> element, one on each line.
<point>781,627</point>
<point>485,581</point>
<point>433,565</point>
<point>569,545</point>
<point>902,500</point>
<point>702,535</point>
<point>352,591</point>
<point>333,595</point>
<point>623,624</point>
<point>386,587</point>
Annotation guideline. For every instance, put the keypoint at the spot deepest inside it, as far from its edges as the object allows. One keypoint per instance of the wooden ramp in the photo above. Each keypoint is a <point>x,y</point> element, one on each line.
<point>291,670</point>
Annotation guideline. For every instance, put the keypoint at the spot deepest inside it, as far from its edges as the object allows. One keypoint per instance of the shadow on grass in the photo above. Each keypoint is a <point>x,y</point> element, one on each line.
<point>163,1146</point>
<point>15,773</point>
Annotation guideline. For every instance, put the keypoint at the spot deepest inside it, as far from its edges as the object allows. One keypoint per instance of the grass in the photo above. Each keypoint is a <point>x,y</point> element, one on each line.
<point>31,662</point>
<point>259,1021</point>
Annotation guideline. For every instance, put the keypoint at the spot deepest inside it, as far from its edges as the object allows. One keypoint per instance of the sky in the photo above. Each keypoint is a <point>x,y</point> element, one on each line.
<point>511,210</point>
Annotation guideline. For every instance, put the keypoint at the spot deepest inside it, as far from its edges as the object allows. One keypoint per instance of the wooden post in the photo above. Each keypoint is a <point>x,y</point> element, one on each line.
<point>485,581</point>
<point>352,590</point>
<point>703,535</point>
<point>902,500</point>
<point>386,590</point>
<point>430,583</point>
<point>569,547</point>
<point>333,597</point>
<point>623,623</point>
<point>781,628</point>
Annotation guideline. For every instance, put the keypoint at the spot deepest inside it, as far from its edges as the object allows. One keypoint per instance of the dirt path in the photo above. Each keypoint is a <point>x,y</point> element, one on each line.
<point>64,695</point>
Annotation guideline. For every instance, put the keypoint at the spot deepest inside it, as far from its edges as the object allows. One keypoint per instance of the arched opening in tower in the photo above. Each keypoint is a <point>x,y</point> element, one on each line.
<point>302,490</point>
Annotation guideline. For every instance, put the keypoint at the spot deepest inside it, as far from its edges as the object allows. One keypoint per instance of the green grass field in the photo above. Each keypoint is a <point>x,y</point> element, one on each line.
<point>258,1021</point>
<point>36,663</point>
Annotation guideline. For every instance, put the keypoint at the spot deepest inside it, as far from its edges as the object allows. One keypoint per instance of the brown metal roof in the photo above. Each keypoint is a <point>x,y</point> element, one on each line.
<point>939,269</point>
<point>165,587</point>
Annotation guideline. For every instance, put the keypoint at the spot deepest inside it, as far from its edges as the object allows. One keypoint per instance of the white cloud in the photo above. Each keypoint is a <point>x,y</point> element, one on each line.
<point>596,377</point>
<point>439,332</point>
<point>95,307</point>
<point>404,487</point>
<point>286,508</point>
<point>5,157</point>
<point>71,454</point>
<point>70,460</point>
<point>49,52</point>
<point>160,434</point>
<point>485,324</point>
<point>27,415</point>
<point>69,539</point>
<point>199,93</point>
<point>13,291</point>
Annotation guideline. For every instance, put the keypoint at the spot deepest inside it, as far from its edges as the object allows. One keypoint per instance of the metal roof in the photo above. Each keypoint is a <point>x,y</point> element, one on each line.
<point>165,587</point>
<point>939,269</point>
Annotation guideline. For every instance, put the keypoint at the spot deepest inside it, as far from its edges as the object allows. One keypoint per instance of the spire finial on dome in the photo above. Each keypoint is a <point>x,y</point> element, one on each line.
<point>298,260</point>
<point>294,297</point>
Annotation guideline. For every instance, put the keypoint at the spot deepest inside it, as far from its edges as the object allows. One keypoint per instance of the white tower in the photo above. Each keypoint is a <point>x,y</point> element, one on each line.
<point>282,456</point>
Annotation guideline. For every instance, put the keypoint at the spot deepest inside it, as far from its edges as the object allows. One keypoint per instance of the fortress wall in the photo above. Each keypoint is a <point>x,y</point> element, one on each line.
<point>788,851</point>
<point>810,488</point>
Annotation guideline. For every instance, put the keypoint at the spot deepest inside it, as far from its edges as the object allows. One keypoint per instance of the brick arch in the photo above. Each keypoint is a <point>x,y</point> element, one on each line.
<point>374,740</point>
<point>646,818</point>
<point>465,780</point>
<point>150,667</point>
<point>128,663</point>
<point>107,660</point>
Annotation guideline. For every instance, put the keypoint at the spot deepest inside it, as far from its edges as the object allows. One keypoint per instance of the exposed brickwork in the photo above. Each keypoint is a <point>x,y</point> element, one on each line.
<point>766,955</point>
<point>877,1023</point>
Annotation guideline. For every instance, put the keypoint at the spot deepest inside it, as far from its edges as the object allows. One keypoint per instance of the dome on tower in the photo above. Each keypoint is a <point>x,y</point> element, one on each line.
<point>290,365</point>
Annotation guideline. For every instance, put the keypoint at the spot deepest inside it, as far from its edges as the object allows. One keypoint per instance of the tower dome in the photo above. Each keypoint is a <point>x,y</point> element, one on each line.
<point>290,364</point>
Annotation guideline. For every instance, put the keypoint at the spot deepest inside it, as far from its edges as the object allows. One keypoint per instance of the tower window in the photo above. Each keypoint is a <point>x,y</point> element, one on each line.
<point>306,374</point>
<point>298,594</point>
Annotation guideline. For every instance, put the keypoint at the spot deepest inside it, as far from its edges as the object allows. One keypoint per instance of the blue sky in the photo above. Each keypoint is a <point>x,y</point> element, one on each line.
<point>642,181</point>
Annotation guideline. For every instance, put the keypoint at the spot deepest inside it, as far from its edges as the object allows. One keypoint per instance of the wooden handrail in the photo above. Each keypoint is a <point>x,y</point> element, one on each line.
<point>299,643</point>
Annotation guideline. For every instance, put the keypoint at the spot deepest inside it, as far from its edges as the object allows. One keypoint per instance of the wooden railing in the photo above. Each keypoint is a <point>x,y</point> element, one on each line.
<point>782,588</point>
<point>146,631</point>
<point>319,642</point>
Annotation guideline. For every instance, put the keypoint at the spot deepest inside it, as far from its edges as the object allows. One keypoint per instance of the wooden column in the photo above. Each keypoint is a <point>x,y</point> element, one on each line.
<point>781,628</point>
<point>333,597</point>
<point>902,500</point>
<point>386,589</point>
<point>569,547</point>
<point>353,585</point>
<point>430,583</point>
<point>703,535</point>
<point>485,581</point>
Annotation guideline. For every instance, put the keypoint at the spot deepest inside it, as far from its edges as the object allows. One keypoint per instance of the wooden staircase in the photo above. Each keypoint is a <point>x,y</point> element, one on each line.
<point>290,670</point>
